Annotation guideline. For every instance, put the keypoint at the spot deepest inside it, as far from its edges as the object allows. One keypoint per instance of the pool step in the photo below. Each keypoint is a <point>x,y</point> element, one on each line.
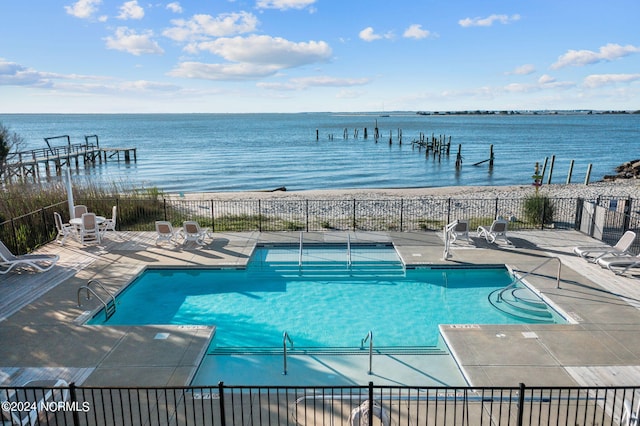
<point>522,303</point>
<point>383,350</point>
<point>321,269</point>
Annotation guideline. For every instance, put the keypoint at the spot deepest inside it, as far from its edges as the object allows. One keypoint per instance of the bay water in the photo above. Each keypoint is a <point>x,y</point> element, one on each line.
<point>242,152</point>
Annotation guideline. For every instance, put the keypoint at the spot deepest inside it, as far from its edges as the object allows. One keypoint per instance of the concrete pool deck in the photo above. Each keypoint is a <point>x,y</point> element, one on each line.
<point>43,336</point>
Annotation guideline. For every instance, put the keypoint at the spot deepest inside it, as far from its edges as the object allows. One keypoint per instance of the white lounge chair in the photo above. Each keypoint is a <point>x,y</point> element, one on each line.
<point>191,231</point>
<point>498,229</point>
<point>110,223</point>
<point>619,264</point>
<point>64,229</point>
<point>37,398</point>
<point>460,230</point>
<point>165,232</point>
<point>39,262</point>
<point>89,232</point>
<point>630,418</point>
<point>592,253</point>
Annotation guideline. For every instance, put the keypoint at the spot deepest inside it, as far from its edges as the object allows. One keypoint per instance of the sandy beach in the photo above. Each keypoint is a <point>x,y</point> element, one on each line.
<point>619,188</point>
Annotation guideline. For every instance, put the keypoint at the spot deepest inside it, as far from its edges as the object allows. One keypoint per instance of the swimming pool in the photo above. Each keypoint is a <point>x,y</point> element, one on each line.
<point>329,299</point>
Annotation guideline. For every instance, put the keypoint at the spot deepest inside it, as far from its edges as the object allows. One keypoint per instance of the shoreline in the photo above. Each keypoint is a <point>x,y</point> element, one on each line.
<point>620,188</point>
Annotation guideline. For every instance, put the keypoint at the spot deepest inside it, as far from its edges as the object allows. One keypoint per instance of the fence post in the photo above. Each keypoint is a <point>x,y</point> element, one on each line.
<point>495,216</point>
<point>213,219</point>
<point>578,220</point>
<point>221,400</point>
<point>164,207</point>
<point>306,208</point>
<point>370,403</point>
<point>259,215</point>
<point>448,210</point>
<point>401,212</point>
<point>627,214</point>
<point>521,404</point>
<point>544,213</point>
<point>354,214</point>
<point>74,398</point>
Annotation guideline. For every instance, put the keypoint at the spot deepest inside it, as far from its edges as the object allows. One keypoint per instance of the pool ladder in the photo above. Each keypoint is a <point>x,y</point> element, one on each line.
<point>285,338</point>
<point>109,306</point>
<point>369,337</point>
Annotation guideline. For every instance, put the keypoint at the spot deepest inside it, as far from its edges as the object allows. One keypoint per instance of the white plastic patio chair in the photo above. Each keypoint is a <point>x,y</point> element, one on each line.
<point>39,262</point>
<point>498,229</point>
<point>79,210</point>
<point>64,229</point>
<point>165,232</point>
<point>629,417</point>
<point>191,231</point>
<point>109,224</point>
<point>89,231</point>
<point>593,253</point>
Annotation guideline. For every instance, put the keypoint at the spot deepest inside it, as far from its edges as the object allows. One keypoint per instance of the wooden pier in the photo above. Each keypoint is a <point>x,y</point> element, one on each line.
<point>53,159</point>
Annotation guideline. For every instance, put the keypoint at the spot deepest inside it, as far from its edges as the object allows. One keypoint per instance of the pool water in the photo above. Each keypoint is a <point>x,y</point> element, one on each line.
<point>326,302</point>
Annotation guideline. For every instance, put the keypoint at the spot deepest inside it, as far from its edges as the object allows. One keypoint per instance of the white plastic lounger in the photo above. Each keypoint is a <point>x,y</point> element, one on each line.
<point>619,264</point>
<point>593,253</point>
<point>165,232</point>
<point>191,231</point>
<point>497,230</point>
<point>39,262</point>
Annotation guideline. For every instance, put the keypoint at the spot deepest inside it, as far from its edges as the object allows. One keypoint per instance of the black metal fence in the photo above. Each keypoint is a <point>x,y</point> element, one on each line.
<point>27,232</point>
<point>391,405</point>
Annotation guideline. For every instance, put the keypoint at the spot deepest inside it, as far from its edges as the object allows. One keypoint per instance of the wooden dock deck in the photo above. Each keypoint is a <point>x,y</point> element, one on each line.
<point>48,161</point>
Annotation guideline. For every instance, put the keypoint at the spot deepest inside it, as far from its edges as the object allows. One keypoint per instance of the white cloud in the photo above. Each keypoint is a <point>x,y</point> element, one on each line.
<point>242,71</point>
<point>488,21</point>
<point>525,69</point>
<point>264,49</point>
<point>83,8</point>
<point>200,27</point>
<point>546,79</point>
<point>13,74</point>
<point>175,7</point>
<point>130,41</point>
<point>252,57</point>
<point>368,34</point>
<point>416,31</point>
<point>597,80</point>
<point>319,81</point>
<point>131,10</point>
<point>284,4</point>
<point>606,53</point>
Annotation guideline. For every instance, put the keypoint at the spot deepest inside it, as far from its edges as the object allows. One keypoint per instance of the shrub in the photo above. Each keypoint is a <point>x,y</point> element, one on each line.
<point>539,209</point>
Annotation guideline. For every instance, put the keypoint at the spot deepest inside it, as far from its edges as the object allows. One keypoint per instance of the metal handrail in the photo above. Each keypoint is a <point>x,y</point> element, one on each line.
<point>90,291</point>
<point>447,234</point>
<point>285,338</point>
<point>368,337</point>
<point>520,278</point>
<point>300,252</point>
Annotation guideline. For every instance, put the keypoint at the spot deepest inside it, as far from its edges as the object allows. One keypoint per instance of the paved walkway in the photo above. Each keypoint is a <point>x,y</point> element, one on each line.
<point>43,336</point>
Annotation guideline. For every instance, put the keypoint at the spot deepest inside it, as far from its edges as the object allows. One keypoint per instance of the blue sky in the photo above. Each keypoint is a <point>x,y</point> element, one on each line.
<point>318,55</point>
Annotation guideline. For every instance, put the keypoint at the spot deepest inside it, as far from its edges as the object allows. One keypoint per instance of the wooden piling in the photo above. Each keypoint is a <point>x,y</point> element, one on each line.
<point>491,156</point>
<point>544,168</point>
<point>586,179</point>
<point>553,160</point>
<point>459,157</point>
<point>570,172</point>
